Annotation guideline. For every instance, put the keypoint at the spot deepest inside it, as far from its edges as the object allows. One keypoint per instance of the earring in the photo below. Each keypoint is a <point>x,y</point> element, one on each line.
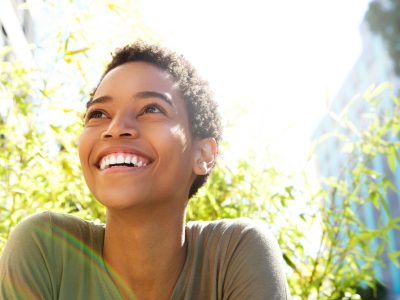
<point>203,167</point>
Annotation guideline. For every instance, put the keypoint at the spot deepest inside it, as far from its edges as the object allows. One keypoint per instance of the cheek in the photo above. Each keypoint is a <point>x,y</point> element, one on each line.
<point>81,143</point>
<point>179,134</point>
<point>84,146</point>
<point>84,149</point>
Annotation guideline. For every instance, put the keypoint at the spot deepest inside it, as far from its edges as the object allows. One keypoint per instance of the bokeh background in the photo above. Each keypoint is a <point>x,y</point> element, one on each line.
<point>308,91</point>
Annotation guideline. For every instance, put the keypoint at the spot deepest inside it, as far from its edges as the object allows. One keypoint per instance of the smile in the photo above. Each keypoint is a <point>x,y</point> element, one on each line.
<point>123,160</point>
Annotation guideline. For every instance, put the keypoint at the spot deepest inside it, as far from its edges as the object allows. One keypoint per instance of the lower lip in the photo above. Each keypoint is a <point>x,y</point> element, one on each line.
<point>123,169</point>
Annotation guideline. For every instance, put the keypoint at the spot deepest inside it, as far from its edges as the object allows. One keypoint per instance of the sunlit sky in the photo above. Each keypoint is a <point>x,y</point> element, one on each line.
<point>279,61</point>
<point>274,65</point>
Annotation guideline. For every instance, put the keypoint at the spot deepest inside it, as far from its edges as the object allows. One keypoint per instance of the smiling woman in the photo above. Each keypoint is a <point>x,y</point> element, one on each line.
<point>148,144</point>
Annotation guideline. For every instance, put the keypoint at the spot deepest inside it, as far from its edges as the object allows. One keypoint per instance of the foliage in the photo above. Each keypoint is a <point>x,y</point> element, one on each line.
<point>32,177</point>
<point>383,20</point>
<point>365,131</point>
<point>40,124</point>
<point>328,249</point>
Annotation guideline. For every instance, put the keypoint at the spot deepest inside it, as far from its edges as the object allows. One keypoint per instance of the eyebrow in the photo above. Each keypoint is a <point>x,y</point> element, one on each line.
<point>140,95</point>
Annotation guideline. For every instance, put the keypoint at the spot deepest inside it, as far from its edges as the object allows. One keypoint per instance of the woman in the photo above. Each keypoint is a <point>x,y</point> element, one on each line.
<point>149,142</point>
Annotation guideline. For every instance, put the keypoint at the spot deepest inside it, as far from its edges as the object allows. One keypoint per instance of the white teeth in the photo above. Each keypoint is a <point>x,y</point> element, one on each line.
<point>120,159</point>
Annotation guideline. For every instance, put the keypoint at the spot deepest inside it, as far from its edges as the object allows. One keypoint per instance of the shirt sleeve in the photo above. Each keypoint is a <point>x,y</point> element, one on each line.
<point>25,265</point>
<point>255,270</point>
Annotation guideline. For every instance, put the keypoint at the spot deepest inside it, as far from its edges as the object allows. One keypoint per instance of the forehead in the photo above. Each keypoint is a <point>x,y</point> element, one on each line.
<point>135,77</point>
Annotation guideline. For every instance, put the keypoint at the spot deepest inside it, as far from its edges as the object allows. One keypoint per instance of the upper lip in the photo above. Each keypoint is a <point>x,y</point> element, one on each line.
<point>122,149</point>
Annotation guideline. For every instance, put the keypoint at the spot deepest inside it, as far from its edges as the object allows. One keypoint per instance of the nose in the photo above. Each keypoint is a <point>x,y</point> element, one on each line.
<point>121,126</point>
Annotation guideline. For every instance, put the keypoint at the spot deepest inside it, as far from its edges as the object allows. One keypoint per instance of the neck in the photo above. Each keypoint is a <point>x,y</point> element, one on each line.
<point>146,249</point>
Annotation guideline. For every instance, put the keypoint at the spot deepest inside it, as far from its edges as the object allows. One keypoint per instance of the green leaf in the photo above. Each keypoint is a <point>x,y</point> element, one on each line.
<point>289,262</point>
<point>391,159</point>
<point>394,256</point>
<point>385,205</point>
<point>74,52</point>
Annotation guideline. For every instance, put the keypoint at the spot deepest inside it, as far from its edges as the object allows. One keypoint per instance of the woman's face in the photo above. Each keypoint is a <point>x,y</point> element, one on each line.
<point>136,148</point>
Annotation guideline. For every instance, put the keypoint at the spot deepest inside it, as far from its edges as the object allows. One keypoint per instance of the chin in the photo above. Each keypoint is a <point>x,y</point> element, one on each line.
<point>131,201</point>
<point>118,200</point>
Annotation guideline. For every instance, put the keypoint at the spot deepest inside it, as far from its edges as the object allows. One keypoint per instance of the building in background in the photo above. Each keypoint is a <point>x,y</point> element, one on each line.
<point>374,66</point>
<point>16,30</point>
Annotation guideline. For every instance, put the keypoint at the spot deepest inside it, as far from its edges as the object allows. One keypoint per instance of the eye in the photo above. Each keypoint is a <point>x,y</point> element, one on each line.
<point>95,114</point>
<point>152,109</point>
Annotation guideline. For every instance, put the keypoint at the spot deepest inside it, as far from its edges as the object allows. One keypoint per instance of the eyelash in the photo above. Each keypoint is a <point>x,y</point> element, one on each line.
<point>95,114</point>
<point>146,109</point>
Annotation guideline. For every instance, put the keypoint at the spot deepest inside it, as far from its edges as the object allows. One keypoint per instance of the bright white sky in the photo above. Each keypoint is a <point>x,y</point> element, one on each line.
<point>280,61</point>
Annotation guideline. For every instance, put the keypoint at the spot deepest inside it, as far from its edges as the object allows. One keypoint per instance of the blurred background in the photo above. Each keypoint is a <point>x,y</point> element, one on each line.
<point>308,92</point>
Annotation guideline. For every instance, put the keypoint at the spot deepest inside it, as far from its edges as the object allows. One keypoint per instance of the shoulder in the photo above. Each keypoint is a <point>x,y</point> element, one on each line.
<point>30,228</point>
<point>237,237</point>
<point>51,219</point>
<point>232,228</point>
<point>43,250</point>
<point>43,227</point>
<point>246,253</point>
<point>239,223</point>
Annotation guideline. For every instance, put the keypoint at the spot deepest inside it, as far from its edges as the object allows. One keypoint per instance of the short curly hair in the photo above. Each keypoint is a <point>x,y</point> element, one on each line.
<point>204,119</point>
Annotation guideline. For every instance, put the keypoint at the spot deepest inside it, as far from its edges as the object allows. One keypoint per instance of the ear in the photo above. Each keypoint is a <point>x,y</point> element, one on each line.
<point>205,155</point>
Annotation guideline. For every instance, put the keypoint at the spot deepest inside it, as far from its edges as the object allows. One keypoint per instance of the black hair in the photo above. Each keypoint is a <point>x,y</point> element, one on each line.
<point>204,119</point>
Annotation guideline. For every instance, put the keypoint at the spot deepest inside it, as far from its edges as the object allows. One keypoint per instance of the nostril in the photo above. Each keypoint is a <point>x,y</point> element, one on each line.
<point>125,134</point>
<point>120,131</point>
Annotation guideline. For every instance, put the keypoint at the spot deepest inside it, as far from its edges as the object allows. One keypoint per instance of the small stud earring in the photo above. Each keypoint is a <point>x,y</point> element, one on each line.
<point>203,167</point>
